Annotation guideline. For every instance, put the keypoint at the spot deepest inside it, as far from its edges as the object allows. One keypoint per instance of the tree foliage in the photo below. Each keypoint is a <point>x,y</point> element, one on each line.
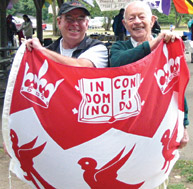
<point>27,7</point>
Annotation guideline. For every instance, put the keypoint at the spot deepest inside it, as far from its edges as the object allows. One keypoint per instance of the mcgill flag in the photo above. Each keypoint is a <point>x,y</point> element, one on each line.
<point>72,127</point>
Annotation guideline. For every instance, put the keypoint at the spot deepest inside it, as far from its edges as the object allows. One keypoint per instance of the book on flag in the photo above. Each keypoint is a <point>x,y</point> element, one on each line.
<point>109,99</point>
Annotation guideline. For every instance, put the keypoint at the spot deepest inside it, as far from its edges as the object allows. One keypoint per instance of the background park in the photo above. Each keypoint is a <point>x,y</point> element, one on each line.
<point>101,24</point>
<point>100,21</point>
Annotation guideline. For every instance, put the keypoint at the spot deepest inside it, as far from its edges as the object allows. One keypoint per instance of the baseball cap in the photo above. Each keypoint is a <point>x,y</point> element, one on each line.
<point>68,6</point>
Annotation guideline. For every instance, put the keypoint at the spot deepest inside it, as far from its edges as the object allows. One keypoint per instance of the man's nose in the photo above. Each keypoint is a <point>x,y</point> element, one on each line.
<point>75,22</point>
<point>137,19</point>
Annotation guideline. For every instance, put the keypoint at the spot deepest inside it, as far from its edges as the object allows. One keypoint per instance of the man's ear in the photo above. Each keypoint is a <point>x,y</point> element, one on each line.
<point>123,21</point>
<point>58,19</point>
<point>87,21</point>
<point>153,19</point>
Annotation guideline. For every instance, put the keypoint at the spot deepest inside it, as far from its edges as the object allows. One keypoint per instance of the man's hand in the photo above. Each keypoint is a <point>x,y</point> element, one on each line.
<point>33,44</point>
<point>166,36</point>
<point>184,140</point>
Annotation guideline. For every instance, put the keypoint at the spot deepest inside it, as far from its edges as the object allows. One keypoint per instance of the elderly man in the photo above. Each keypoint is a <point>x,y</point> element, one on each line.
<point>138,20</point>
<point>75,47</point>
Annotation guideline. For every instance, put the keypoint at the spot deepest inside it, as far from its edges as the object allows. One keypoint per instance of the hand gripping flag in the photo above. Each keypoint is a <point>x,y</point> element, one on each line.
<point>72,127</point>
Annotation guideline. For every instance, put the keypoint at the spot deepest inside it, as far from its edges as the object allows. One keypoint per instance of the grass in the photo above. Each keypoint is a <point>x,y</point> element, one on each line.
<point>181,176</point>
<point>1,150</point>
<point>176,186</point>
<point>186,169</point>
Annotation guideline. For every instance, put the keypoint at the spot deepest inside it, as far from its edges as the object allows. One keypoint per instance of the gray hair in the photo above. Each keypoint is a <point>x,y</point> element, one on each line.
<point>143,4</point>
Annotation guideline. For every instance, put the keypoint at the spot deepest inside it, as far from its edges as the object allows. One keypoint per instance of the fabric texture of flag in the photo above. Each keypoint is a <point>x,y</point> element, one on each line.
<point>162,6</point>
<point>72,127</point>
<point>184,6</point>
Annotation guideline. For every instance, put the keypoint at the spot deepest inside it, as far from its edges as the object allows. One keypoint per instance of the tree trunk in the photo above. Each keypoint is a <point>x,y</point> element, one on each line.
<point>178,18</point>
<point>3,23</point>
<point>39,4</point>
<point>107,24</point>
<point>54,18</point>
<point>60,2</point>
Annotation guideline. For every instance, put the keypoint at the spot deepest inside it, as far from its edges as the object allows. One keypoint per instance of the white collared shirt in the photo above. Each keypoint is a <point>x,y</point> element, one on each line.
<point>135,43</point>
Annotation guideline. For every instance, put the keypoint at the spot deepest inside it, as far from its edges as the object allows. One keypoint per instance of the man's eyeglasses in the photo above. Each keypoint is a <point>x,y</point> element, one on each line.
<point>79,19</point>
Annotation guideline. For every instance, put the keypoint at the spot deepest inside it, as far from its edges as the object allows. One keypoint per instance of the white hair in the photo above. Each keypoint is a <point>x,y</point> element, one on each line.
<point>143,4</point>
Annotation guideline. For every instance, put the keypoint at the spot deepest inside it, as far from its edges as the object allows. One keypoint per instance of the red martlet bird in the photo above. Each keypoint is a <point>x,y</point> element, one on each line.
<point>169,145</point>
<point>105,177</point>
<point>25,155</point>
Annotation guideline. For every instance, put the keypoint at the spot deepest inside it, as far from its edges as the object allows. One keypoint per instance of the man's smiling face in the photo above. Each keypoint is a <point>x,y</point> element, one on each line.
<point>138,21</point>
<point>73,26</point>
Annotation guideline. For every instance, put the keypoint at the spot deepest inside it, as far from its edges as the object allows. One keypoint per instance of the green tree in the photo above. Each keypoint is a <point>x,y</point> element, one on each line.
<point>27,7</point>
<point>23,7</point>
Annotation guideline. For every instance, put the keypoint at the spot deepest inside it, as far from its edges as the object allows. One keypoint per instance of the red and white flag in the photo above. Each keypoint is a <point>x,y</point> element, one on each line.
<point>72,127</point>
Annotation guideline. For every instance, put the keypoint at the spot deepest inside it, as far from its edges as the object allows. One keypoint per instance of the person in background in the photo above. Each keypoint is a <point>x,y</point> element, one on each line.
<point>172,27</point>
<point>138,20</point>
<point>11,30</point>
<point>20,36</point>
<point>190,22</point>
<point>74,48</point>
<point>118,27</point>
<point>156,29</point>
<point>26,27</point>
<point>190,27</point>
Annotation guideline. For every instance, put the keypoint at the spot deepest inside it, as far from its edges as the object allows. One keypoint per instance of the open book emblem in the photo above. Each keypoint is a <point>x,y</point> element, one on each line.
<point>108,100</point>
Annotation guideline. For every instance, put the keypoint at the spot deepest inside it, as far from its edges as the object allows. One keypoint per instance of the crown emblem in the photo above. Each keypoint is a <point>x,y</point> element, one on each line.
<point>168,76</point>
<point>36,88</point>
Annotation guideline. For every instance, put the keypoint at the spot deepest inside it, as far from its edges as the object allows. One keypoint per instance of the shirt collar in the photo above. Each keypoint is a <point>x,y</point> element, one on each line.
<point>134,43</point>
<point>63,51</point>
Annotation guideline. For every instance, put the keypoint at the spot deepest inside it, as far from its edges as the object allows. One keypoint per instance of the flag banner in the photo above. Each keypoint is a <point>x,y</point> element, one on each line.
<point>74,127</point>
<point>162,6</point>
<point>184,6</point>
<point>90,2</point>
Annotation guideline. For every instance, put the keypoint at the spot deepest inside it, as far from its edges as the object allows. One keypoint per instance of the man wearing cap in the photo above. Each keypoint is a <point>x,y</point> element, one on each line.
<point>77,49</point>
